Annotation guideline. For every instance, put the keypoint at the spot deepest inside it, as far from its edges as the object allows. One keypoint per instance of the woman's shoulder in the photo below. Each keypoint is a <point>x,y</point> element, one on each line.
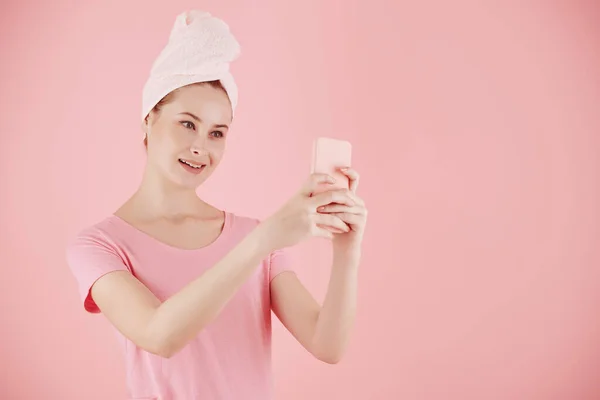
<point>102,231</point>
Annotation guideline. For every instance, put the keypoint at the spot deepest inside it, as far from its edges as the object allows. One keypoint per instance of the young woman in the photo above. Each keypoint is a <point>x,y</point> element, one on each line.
<point>189,288</point>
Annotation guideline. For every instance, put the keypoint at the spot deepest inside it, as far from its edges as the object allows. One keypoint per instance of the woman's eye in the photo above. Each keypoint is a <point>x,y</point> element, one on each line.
<point>218,134</point>
<point>189,125</point>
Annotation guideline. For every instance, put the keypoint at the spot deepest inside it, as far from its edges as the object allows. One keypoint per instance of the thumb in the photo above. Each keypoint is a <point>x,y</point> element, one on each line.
<point>314,181</point>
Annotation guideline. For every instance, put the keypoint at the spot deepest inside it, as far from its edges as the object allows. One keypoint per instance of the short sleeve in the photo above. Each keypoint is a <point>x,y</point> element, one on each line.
<point>279,261</point>
<point>90,255</point>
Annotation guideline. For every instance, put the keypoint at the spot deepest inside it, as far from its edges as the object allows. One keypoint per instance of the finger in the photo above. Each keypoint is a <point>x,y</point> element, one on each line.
<point>337,208</point>
<point>331,229</point>
<point>314,181</point>
<point>333,196</point>
<point>346,192</point>
<point>322,232</point>
<point>332,221</point>
<point>353,220</point>
<point>353,177</point>
<point>356,198</point>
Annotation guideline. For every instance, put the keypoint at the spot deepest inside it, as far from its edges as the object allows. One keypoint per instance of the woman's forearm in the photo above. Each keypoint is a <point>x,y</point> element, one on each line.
<point>181,317</point>
<point>336,318</point>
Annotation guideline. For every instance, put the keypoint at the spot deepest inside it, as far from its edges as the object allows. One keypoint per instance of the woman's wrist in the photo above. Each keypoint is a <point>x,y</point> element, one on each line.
<point>262,239</point>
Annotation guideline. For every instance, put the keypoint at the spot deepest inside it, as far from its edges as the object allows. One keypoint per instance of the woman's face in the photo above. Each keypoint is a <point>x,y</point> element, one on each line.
<point>186,137</point>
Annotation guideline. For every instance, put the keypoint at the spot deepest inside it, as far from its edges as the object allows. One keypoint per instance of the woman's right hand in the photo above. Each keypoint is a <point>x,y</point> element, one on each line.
<point>298,219</point>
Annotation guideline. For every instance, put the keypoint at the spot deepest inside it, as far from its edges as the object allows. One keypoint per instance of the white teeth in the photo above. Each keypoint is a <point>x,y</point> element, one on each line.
<point>191,165</point>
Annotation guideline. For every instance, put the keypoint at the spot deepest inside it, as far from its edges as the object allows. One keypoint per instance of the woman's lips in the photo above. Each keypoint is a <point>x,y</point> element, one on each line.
<point>191,167</point>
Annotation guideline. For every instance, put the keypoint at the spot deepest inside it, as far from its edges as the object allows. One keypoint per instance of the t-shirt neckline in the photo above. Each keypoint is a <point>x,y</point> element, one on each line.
<point>228,217</point>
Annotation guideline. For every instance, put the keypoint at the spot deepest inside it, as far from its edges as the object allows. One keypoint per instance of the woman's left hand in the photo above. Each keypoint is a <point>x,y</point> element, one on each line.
<point>354,216</point>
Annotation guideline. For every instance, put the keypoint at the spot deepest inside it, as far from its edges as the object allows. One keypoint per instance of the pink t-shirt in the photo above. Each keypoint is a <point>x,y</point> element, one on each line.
<point>230,358</point>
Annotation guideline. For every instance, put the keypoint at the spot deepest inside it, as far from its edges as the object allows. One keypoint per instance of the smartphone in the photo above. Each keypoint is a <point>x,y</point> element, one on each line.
<point>328,156</point>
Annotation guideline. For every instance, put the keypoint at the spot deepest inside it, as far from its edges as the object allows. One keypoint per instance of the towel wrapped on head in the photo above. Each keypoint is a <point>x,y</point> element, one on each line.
<point>200,49</point>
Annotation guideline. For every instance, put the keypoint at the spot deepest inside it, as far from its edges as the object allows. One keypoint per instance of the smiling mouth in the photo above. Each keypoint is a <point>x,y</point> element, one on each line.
<point>189,164</point>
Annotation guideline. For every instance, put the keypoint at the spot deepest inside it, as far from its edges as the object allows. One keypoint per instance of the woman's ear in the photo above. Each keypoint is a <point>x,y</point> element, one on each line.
<point>145,127</point>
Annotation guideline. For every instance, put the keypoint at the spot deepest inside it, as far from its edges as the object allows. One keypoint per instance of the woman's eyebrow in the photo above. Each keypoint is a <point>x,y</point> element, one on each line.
<point>200,121</point>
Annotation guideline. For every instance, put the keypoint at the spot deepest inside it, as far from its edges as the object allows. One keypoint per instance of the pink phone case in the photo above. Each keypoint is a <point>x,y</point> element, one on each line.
<point>329,155</point>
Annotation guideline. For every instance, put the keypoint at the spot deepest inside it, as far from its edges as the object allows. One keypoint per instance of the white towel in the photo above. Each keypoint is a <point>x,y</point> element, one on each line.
<point>200,49</point>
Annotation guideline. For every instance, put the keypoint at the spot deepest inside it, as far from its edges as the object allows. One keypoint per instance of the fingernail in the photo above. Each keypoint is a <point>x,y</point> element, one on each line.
<point>345,168</point>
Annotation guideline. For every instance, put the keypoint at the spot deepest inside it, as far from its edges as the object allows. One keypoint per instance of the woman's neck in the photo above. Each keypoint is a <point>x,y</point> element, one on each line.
<point>164,200</point>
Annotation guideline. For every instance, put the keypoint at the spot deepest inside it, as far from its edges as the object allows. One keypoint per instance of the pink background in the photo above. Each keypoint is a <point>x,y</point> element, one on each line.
<point>476,133</point>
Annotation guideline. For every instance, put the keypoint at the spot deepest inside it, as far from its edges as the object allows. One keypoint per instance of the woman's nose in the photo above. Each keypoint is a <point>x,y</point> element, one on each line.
<point>199,150</point>
<point>198,145</point>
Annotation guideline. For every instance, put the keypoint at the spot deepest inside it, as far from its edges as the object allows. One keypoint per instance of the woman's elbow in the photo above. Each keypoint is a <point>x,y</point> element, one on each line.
<point>160,349</point>
<point>161,346</point>
<point>329,357</point>
<point>164,351</point>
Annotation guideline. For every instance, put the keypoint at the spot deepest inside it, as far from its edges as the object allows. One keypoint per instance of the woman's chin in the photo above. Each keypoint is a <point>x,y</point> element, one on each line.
<point>191,181</point>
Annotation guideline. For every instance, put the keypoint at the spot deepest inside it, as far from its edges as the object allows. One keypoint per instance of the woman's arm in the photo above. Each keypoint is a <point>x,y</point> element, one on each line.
<point>323,331</point>
<point>164,328</point>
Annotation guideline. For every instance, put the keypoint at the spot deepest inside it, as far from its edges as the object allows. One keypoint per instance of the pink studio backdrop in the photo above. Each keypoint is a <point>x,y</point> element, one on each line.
<point>476,133</point>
